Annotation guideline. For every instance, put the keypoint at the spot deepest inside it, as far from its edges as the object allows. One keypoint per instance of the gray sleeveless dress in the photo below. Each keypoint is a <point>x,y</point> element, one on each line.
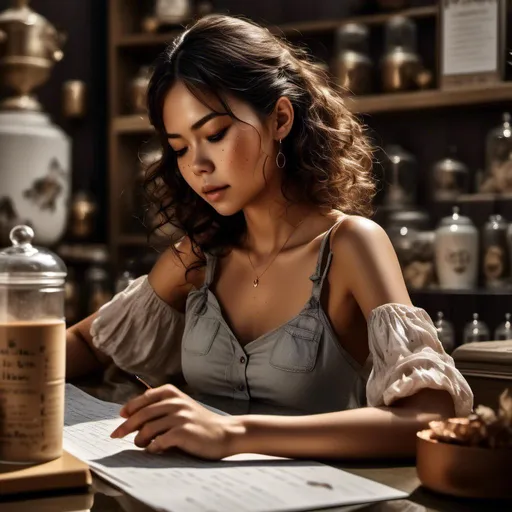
<point>300,365</point>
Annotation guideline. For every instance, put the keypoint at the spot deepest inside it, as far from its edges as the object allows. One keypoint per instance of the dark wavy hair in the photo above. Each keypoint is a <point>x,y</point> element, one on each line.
<point>327,153</point>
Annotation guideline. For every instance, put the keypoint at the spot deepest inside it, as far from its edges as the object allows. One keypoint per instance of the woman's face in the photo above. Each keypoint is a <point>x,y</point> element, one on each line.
<point>229,163</point>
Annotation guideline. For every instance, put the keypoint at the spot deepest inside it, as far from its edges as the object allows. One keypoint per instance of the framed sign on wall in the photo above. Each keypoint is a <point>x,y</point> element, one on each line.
<point>472,42</point>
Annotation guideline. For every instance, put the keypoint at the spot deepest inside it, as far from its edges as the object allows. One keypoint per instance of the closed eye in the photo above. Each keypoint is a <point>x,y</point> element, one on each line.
<point>219,135</point>
<point>180,152</point>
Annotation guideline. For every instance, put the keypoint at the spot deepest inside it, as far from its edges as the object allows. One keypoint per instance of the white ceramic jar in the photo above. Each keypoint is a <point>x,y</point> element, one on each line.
<point>456,252</point>
<point>35,176</point>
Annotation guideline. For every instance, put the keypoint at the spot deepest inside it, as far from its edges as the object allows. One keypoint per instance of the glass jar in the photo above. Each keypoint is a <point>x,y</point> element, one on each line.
<point>498,158</point>
<point>32,350</point>
<point>495,252</point>
<point>504,330</point>
<point>450,178</point>
<point>401,64</point>
<point>352,66</point>
<point>401,178</point>
<point>476,330</point>
<point>99,288</point>
<point>414,246</point>
<point>83,215</point>
<point>445,332</point>
<point>456,252</point>
<point>137,89</point>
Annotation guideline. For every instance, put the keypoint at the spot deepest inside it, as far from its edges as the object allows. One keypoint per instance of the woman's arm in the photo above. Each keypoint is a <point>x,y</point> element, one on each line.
<point>167,279</point>
<point>370,432</point>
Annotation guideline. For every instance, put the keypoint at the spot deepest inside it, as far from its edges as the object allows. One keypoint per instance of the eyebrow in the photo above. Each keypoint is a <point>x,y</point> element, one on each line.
<point>198,124</point>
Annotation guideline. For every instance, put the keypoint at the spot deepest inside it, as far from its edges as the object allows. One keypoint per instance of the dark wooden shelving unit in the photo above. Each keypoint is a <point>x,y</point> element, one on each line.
<point>394,116</point>
<point>408,101</point>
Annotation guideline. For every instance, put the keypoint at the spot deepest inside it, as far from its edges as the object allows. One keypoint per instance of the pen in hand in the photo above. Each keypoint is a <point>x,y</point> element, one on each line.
<point>143,381</point>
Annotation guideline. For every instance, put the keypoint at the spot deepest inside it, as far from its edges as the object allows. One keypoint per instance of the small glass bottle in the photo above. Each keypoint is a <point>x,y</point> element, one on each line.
<point>498,164</point>
<point>504,330</point>
<point>450,177</point>
<point>445,332</point>
<point>126,277</point>
<point>495,252</point>
<point>402,178</point>
<point>476,330</point>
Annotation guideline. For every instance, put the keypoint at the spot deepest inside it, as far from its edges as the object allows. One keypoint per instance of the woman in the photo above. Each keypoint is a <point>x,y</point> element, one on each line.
<point>280,289</point>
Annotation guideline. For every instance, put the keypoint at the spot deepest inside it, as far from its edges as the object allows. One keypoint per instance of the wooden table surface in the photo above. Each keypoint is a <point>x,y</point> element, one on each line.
<point>102,497</point>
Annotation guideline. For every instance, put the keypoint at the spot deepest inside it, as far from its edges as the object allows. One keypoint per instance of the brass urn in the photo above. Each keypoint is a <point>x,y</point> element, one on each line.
<point>29,47</point>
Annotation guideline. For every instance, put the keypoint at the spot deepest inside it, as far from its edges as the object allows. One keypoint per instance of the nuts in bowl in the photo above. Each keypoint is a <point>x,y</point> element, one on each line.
<point>469,457</point>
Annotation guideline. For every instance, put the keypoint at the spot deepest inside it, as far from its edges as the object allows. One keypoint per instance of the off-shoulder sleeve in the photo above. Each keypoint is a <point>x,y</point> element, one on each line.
<point>140,332</point>
<point>408,356</point>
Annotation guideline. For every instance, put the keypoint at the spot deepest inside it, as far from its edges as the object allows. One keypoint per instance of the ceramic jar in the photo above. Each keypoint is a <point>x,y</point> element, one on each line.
<point>456,252</point>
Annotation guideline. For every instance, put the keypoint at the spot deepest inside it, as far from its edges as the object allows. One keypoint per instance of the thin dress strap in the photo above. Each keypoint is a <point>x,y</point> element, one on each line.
<point>323,264</point>
<point>211,264</point>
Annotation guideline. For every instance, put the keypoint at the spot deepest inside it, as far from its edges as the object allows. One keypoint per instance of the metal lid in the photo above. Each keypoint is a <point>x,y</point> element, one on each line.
<point>476,330</point>
<point>22,13</point>
<point>451,164</point>
<point>455,219</point>
<point>496,222</point>
<point>22,263</point>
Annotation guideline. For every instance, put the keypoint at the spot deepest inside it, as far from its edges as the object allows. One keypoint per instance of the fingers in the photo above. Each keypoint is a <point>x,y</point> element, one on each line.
<point>149,397</point>
<point>170,439</point>
<point>151,430</point>
<point>149,413</point>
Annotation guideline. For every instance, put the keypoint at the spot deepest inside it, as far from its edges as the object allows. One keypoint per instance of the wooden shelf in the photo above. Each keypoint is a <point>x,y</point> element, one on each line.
<point>133,240</point>
<point>147,39</point>
<point>396,102</point>
<point>136,123</point>
<point>315,27</point>
<point>417,100</point>
<point>141,240</point>
<point>287,29</point>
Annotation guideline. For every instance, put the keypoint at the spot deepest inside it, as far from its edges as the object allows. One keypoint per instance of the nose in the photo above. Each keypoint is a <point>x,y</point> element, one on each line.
<point>201,164</point>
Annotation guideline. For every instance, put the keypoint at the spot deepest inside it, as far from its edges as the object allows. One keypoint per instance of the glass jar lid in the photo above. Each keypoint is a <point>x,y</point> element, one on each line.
<point>496,221</point>
<point>450,164</point>
<point>504,330</point>
<point>476,330</point>
<point>22,263</point>
<point>456,219</point>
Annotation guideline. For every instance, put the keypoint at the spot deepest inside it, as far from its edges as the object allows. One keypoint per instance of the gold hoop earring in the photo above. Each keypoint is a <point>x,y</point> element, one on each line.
<point>280,157</point>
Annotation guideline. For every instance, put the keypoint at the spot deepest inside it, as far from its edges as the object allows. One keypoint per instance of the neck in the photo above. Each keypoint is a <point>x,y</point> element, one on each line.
<point>269,226</point>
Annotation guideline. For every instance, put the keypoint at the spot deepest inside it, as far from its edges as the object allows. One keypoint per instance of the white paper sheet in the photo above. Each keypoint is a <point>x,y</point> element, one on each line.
<point>179,483</point>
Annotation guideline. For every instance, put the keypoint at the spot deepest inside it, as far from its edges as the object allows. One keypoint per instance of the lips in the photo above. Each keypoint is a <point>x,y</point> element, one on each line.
<point>210,189</point>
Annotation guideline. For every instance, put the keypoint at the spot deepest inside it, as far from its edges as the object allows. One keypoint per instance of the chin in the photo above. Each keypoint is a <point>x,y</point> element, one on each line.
<point>226,210</point>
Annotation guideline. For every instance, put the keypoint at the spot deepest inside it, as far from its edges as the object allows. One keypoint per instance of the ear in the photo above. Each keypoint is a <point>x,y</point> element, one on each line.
<point>283,118</point>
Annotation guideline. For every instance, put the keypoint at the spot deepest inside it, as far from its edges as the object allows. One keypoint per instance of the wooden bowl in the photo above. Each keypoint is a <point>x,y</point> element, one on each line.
<point>463,471</point>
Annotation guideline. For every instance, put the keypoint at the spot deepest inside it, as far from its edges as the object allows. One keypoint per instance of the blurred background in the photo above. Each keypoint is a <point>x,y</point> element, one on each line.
<point>431,80</point>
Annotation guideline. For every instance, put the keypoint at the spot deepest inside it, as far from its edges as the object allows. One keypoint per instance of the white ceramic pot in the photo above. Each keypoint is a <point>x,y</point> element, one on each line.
<point>456,250</point>
<point>35,176</point>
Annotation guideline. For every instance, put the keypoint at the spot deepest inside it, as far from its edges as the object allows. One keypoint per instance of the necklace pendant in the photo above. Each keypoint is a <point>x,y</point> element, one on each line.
<point>256,282</point>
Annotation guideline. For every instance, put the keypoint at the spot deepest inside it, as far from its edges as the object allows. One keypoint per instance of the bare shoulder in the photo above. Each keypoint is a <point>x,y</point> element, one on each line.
<point>366,260</point>
<point>356,233</point>
<point>169,276</point>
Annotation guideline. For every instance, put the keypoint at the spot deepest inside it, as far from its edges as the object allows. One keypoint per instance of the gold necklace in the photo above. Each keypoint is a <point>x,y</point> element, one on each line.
<point>256,281</point>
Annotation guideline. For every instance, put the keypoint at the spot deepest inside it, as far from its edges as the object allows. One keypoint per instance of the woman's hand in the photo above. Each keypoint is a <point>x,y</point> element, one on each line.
<point>166,418</point>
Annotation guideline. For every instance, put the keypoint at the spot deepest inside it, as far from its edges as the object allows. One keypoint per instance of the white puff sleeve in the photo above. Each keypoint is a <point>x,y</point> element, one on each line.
<point>408,356</point>
<point>140,332</point>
